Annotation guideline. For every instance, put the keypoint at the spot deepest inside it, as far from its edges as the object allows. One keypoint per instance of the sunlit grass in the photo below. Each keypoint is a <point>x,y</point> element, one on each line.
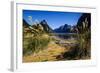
<point>48,54</point>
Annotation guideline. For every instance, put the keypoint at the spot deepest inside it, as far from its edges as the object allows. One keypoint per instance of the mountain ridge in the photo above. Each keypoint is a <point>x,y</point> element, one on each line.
<point>64,29</point>
<point>41,26</point>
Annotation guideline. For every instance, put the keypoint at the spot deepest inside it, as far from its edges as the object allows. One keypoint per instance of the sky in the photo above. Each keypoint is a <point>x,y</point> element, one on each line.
<point>54,19</point>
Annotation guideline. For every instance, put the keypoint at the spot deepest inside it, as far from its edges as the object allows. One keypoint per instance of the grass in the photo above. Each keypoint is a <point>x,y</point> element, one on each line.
<point>43,48</point>
<point>35,44</point>
<point>48,54</point>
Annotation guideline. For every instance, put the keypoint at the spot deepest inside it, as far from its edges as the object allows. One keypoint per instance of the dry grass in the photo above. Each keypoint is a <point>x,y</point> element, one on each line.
<point>49,54</point>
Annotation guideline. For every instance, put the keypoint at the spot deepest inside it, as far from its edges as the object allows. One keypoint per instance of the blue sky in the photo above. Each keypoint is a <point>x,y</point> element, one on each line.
<point>53,18</point>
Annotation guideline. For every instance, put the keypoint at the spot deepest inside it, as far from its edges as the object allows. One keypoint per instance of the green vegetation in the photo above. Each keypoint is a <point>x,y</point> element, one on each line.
<point>40,44</point>
<point>35,44</point>
<point>84,39</point>
<point>34,37</point>
<point>82,48</point>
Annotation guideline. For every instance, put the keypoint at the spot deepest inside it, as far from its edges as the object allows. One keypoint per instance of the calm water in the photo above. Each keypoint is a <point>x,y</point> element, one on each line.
<point>65,35</point>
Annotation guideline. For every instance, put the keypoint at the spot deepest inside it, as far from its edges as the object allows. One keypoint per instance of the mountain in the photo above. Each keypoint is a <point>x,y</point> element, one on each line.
<point>63,29</point>
<point>84,23</point>
<point>45,26</point>
<point>42,26</point>
<point>25,24</point>
<point>37,27</point>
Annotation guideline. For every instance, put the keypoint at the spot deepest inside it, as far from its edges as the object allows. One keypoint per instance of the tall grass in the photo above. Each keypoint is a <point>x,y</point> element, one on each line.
<point>82,49</point>
<point>84,39</point>
<point>35,44</point>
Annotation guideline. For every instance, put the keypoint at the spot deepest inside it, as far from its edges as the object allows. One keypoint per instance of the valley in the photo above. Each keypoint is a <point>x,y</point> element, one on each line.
<point>41,43</point>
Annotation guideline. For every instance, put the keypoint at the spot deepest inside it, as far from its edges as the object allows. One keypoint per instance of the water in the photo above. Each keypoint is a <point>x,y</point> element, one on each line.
<point>65,39</point>
<point>65,35</point>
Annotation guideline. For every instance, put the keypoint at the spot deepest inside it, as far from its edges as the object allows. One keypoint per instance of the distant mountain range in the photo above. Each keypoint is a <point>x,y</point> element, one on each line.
<point>43,26</point>
<point>65,29</point>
